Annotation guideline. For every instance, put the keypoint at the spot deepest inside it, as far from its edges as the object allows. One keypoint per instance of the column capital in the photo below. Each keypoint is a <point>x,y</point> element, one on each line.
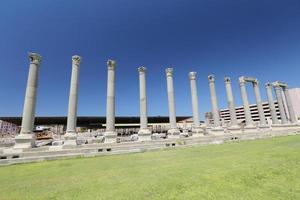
<point>268,85</point>
<point>76,59</point>
<point>280,84</point>
<point>192,75</point>
<point>111,64</point>
<point>276,85</point>
<point>242,80</point>
<point>255,83</point>
<point>169,71</point>
<point>227,79</point>
<point>142,69</point>
<point>211,78</point>
<point>35,58</point>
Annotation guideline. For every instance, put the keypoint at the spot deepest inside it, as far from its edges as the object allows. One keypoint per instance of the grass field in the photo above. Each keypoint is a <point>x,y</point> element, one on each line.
<point>261,169</point>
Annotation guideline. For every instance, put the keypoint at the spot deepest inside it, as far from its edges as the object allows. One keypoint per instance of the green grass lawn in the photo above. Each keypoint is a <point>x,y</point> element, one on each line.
<point>261,169</point>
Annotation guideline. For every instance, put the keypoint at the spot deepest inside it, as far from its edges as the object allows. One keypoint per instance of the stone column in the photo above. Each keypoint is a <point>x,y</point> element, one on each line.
<point>144,132</point>
<point>289,105</point>
<point>271,103</point>
<point>248,119</point>
<point>278,92</point>
<point>26,138</point>
<point>71,134</point>
<point>231,104</point>
<point>110,133</point>
<point>173,131</point>
<point>214,101</point>
<point>196,128</point>
<point>260,109</point>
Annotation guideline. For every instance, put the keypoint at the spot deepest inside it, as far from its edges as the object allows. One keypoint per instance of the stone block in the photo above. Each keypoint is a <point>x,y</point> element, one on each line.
<point>57,143</point>
<point>25,141</point>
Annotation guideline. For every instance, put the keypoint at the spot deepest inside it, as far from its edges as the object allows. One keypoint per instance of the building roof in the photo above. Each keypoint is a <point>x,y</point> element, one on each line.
<point>92,120</point>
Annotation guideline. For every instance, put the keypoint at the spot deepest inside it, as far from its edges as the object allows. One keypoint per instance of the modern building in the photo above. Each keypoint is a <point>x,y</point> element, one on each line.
<point>225,113</point>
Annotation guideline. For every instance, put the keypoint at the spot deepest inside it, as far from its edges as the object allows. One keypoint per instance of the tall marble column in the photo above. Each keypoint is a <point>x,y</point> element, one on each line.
<point>231,104</point>
<point>248,119</point>
<point>173,131</point>
<point>214,101</point>
<point>261,113</point>
<point>290,108</point>
<point>144,132</point>
<point>110,133</point>
<point>196,120</point>
<point>71,134</point>
<point>278,92</point>
<point>271,103</point>
<point>26,138</point>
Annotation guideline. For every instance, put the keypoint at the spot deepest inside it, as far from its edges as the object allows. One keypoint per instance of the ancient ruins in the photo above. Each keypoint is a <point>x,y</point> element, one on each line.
<point>25,149</point>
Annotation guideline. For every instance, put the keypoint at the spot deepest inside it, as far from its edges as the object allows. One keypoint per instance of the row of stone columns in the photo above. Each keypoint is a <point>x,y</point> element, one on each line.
<point>255,84</point>
<point>280,91</point>
<point>27,138</point>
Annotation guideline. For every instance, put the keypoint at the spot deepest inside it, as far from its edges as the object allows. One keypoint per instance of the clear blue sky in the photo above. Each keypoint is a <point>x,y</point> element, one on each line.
<point>259,38</point>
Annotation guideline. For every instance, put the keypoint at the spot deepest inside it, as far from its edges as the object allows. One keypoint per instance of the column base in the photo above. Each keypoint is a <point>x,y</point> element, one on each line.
<point>25,140</point>
<point>144,135</point>
<point>173,133</point>
<point>70,139</point>
<point>70,136</point>
<point>110,137</point>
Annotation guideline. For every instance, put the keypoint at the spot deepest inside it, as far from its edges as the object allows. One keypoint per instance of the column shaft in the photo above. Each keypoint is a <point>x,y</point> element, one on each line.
<point>261,113</point>
<point>143,98</point>
<point>214,101</point>
<point>247,112</point>
<point>231,104</point>
<point>194,96</point>
<point>31,93</point>
<point>73,97</point>
<point>110,133</point>
<point>278,92</point>
<point>26,138</point>
<point>144,132</point>
<point>110,101</point>
<point>289,105</point>
<point>271,104</point>
<point>171,100</point>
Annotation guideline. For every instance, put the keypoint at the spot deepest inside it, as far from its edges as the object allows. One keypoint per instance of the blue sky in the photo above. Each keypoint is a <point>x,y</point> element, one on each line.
<point>259,38</point>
